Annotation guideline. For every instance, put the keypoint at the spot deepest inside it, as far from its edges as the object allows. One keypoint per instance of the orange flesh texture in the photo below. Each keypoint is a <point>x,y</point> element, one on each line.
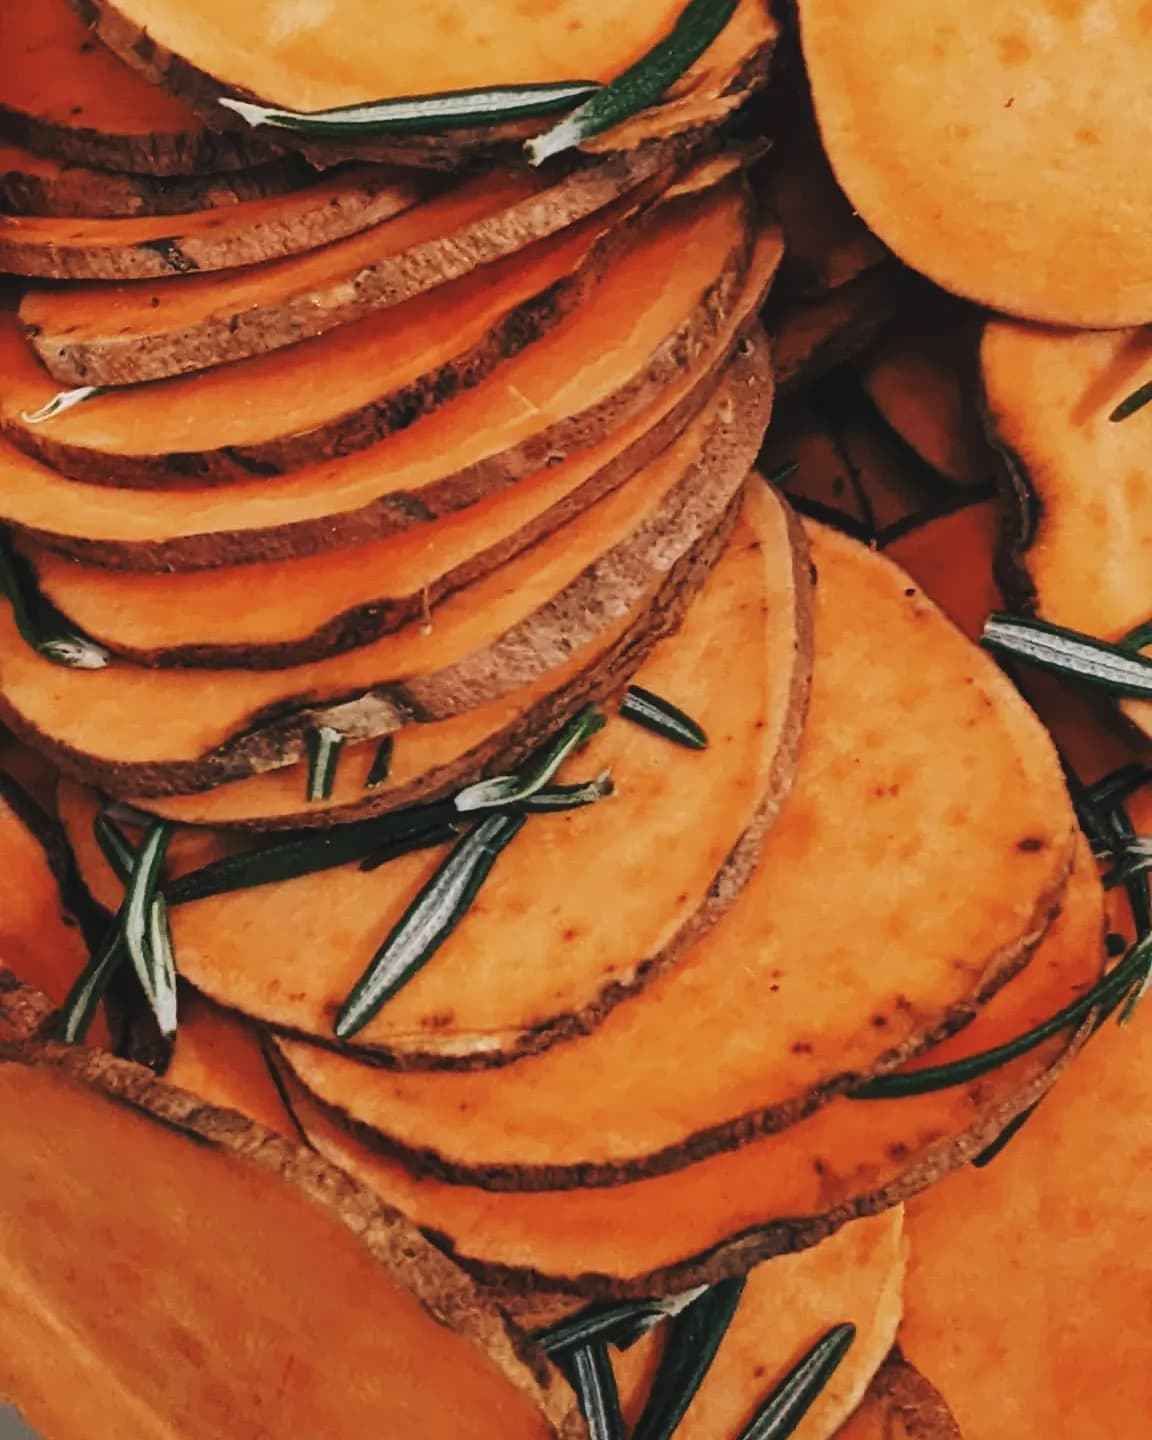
<point>1027,1276</point>
<point>285,600</point>
<point>393,190</point>
<point>302,387</point>
<point>484,992</point>
<point>38,942</point>
<point>1039,113</point>
<point>809,336</point>
<point>764,1018</point>
<point>35,775</point>
<point>127,713</point>
<point>216,1298</point>
<point>87,86</point>
<point>817,1168</point>
<point>644,298</point>
<point>1049,397</point>
<point>788,1304</point>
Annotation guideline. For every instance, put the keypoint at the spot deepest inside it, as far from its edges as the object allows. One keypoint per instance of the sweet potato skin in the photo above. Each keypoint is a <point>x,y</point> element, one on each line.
<point>900,1405</point>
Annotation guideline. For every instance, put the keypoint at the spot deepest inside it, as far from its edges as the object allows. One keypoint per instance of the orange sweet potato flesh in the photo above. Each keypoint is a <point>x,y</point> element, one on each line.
<point>1049,396</point>
<point>993,93</point>
<point>481,1003</point>
<point>323,397</point>
<point>636,551</point>
<point>143,330</point>
<point>224,1281</point>
<point>662,312</point>
<point>764,1020</point>
<point>901,1405</point>
<point>788,1305</point>
<point>65,95</point>
<point>773,1195</point>
<point>814,335</point>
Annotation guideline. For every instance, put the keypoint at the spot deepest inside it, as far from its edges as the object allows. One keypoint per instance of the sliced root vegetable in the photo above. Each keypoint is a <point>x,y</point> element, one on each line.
<point>1085,529</point>
<point>854,1277</point>
<point>330,396</point>
<point>952,556</point>
<point>813,336</point>
<point>482,1002</point>
<point>246,233</point>
<point>924,380</point>
<point>143,330</point>
<point>34,774</point>
<point>1026,1275</point>
<point>901,1405</point>
<point>272,1289</point>
<point>63,94</point>
<point>664,316</point>
<point>764,1020</point>
<point>312,68</point>
<point>777,1194</point>
<point>139,731</point>
<point>995,93</point>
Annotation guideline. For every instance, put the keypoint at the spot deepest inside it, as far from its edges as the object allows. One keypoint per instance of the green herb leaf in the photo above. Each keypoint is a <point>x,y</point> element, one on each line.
<point>114,845</point>
<point>783,473</point>
<point>1139,637</point>
<point>694,1338</point>
<point>91,985</point>
<point>595,1384</point>
<point>1005,1138</point>
<point>145,931</point>
<point>1067,652</point>
<point>423,114</point>
<point>662,717</point>
<point>568,797</point>
<point>1136,401</point>
<point>619,1322</point>
<point>62,403</point>
<point>324,747</point>
<point>381,766</point>
<point>40,624</point>
<point>428,921</point>
<point>788,1404</point>
<point>504,790</point>
<point>642,84</point>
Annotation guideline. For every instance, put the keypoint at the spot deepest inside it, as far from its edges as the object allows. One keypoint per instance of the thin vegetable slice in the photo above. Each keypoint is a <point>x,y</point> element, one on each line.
<point>901,1405</point>
<point>193,1191</point>
<point>814,335</point>
<point>764,1020</point>
<point>178,730</point>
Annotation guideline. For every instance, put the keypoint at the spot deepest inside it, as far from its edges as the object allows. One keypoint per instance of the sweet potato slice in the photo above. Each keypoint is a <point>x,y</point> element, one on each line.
<point>901,1405</point>
<point>143,330</point>
<point>63,94</point>
<point>773,1195</point>
<point>994,93</point>
<point>332,395</point>
<point>952,556</point>
<point>1026,1275</point>
<point>1087,527</point>
<point>623,557</point>
<point>602,368</point>
<point>269,1293</point>
<point>855,1276</point>
<point>763,1021</point>
<point>243,234</point>
<point>813,336</point>
<point>32,184</point>
<point>480,1003</point>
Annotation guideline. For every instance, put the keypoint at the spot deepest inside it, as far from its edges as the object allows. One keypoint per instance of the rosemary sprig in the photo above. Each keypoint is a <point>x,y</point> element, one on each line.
<point>63,402</point>
<point>1137,638</point>
<point>145,928</point>
<point>662,717</point>
<point>40,624</point>
<point>642,84</point>
<point>619,1322</point>
<point>1067,652</point>
<point>422,114</point>
<point>114,845</point>
<point>428,921</point>
<point>324,746</point>
<point>381,766</point>
<point>590,1371</point>
<point>694,1338</point>
<point>504,790</point>
<point>1005,1138</point>
<point>788,1404</point>
<point>79,1009</point>
<point>1136,401</point>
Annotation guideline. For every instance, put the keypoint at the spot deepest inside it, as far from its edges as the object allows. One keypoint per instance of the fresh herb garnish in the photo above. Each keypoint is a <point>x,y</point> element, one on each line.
<point>324,746</point>
<point>642,84</point>
<point>91,985</point>
<point>1005,1138</point>
<point>694,1338</point>
<point>114,845</point>
<point>1067,652</point>
<point>619,1322</point>
<point>145,928</point>
<point>62,403</point>
<point>1137,638</point>
<point>40,624</point>
<point>662,717</point>
<point>504,790</point>
<point>428,921</point>
<point>590,1371</point>
<point>381,766</point>
<point>422,114</point>
<point>788,1404</point>
<point>1136,401</point>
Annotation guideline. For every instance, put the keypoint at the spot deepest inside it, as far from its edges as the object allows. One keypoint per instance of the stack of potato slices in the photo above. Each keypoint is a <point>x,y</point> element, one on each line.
<point>527,909</point>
